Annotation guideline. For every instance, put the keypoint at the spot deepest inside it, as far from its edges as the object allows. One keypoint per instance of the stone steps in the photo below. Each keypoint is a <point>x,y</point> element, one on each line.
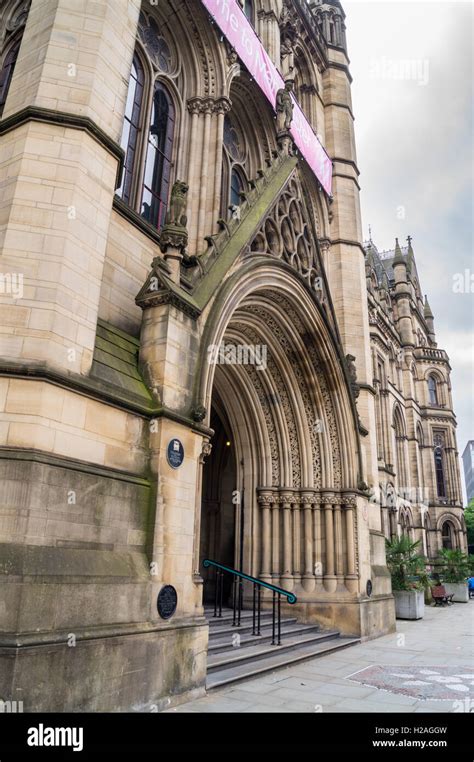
<point>256,655</point>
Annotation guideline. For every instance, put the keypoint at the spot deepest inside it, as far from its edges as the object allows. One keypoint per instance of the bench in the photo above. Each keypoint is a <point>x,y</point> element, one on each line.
<point>440,596</point>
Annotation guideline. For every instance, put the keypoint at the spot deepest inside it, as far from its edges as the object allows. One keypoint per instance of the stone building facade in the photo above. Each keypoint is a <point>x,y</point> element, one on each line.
<point>420,490</point>
<point>153,226</point>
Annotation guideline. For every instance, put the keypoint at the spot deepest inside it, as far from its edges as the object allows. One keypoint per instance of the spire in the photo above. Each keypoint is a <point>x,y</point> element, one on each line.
<point>427,309</point>
<point>398,258</point>
<point>411,256</point>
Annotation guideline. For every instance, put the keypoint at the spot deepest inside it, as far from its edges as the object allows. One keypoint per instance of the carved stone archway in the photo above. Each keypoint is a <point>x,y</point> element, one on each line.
<point>294,429</point>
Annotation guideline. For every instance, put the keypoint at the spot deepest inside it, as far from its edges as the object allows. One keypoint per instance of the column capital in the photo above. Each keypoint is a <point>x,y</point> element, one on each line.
<point>208,105</point>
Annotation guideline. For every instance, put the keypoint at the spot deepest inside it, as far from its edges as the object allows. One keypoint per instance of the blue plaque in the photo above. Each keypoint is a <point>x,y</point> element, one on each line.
<point>175,453</point>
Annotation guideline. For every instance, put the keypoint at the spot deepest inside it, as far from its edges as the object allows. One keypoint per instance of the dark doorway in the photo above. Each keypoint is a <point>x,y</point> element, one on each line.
<point>218,516</point>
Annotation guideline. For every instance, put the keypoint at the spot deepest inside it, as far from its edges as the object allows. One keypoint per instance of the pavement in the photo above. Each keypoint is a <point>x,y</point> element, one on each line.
<point>426,666</point>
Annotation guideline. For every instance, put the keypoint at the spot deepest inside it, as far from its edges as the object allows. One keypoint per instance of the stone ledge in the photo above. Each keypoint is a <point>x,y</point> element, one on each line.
<point>63,119</point>
<point>59,637</point>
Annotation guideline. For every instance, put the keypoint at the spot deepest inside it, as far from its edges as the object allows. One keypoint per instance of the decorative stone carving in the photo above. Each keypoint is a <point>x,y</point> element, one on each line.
<point>198,413</point>
<point>313,417</point>
<point>283,401</point>
<point>288,35</point>
<point>208,105</point>
<point>177,208</point>
<point>174,236</point>
<point>312,414</point>
<point>284,108</point>
<point>206,449</point>
<point>351,368</point>
<point>287,234</point>
<point>159,49</point>
<point>18,16</point>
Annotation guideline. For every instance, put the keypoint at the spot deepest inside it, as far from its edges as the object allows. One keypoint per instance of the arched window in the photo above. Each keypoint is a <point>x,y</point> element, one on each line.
<point>439,462</point>
<point>401,470</point>
<point>421,480</point>
<point>439,471</point>
<point>8,66</point>
<point>433,390</point>
<point>427,520</point>
<point>248,10</point>
<point>156,180</point>
<point>233,174</point>
<point>131,127</point>
<point>148,147</point>
<point>448,536</point>
<point>332,36</point>
<point>236,187</point>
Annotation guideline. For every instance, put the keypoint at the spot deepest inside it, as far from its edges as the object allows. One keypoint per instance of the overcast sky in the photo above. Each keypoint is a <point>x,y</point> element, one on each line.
<point>412,97</point>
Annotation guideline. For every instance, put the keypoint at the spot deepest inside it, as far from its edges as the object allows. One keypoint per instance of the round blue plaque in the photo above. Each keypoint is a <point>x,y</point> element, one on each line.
<point>175,453</point>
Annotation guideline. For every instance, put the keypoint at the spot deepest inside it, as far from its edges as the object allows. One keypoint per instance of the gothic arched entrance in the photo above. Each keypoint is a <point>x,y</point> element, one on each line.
<point>279,393</point>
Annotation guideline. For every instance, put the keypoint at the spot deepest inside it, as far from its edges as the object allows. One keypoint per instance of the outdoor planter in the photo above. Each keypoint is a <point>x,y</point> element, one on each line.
<point>460,591</point>
<point>409,604</point>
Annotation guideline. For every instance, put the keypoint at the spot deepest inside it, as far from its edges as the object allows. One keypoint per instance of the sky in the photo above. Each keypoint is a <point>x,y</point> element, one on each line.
<point>412,96</point>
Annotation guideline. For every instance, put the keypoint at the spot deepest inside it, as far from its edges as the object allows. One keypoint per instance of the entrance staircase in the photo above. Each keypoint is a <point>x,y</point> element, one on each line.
<point>231,659</point>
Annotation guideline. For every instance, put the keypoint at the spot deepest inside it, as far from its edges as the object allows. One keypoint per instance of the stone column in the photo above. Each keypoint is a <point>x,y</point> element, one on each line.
<point>317,538</point>
<point>285,500</point>
<point>275,542</point>
<point>194,109</point>
<point>330,579</point>
<point>265,501</point>
<point>307,499</point>
<point>351,578</point>
<point>205,166</point>
<point>296,539</point>
<point>221,108</point>
<point>204,174</point>
<point>338,543</point>
<point>205,452</point>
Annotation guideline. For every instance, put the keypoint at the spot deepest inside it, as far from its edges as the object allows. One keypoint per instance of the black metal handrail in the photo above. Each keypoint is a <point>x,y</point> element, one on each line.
<point>237,598</point>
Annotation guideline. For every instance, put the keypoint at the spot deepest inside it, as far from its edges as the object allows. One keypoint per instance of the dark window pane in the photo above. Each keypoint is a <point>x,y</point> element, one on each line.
<point>439,469</point>
<point>158,158</point>
<point>131,126</point>
<point>6,73</point>
<point>235,188</point>
<point>248,10</point>
<point>433,392</point>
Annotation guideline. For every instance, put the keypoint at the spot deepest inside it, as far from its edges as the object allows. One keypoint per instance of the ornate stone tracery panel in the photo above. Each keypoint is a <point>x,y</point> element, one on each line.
<point>262,395</point>
<point>286,406</point>
<point>287,234</point>
<point>311,416</point>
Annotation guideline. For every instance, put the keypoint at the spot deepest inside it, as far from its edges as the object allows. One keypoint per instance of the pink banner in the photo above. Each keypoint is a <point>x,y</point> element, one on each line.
<point>241,35</point>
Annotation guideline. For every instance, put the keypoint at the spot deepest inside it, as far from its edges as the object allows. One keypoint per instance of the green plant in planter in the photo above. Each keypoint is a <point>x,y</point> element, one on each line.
<point>406,565</point>
<point>454,565</point>
<point>471,565</point>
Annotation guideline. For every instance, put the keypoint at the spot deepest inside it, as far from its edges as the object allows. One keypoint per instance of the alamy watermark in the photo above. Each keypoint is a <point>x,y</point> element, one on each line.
<point>463,283</point>
<point>238,354</point>
<point>11,284</point>
<point>10,707</point>
<point>415,69</point>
